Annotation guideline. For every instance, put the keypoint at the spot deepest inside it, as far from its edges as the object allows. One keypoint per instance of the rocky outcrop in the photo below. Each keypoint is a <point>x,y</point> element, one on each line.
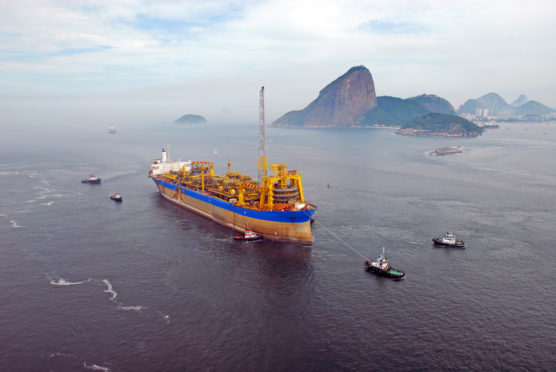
<point>341,103</point>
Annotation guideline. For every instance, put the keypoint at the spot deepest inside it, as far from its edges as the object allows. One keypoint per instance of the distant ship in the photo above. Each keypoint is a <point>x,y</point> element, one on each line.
<point>111,130</point>
<point>274,207</point>
<point>448,150</point>
<point>91,179</point>
<point>117,197</point>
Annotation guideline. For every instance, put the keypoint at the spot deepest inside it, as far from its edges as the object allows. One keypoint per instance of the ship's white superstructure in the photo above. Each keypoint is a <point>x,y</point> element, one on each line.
<point>165,165</point>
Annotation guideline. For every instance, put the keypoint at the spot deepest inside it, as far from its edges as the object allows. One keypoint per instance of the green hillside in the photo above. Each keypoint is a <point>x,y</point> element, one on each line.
<point>442,123</point>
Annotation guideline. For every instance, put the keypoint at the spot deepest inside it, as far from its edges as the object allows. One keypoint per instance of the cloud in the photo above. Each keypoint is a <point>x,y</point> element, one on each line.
<point>386,27</point>
<point>220,49</point>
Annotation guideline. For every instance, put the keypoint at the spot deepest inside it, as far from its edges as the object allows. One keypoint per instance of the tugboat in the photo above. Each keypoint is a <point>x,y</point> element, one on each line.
<point>449,240</point>
<point>249,235</point>
<point>117,197</point>
<point>92,179</point>
<point>382,267</point>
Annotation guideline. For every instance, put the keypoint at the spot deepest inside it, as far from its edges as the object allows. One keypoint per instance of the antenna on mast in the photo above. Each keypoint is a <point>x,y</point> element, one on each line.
<point>262,139</point>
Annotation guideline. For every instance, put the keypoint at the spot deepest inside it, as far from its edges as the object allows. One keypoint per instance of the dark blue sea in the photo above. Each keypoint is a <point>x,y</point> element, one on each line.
<point>89,284</point>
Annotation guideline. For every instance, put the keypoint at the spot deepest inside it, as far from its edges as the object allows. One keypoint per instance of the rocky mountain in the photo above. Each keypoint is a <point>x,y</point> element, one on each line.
<point>522,99</point>
<point>434,104</point>
<point>342,102</point>
<point>351,100</point>
<point>191,119</point>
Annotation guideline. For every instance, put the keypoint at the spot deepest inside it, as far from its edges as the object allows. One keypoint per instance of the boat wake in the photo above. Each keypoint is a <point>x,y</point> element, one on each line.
<point>110,289</point>
<point>114,295</point>
<point>63,282</point>
<point>96,367</point>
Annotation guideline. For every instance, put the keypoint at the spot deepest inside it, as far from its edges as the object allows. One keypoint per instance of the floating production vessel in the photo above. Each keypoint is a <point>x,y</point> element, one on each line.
<point>273,206</point>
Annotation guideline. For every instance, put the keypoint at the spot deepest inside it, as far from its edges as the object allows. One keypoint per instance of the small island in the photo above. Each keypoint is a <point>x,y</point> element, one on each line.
<point>447,150</point>
<point>191,119</point>
<point>435,124</point>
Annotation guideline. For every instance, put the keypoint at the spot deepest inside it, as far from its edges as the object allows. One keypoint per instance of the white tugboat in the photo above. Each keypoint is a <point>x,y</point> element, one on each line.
<point>382,267</point>
<point>249,235</point>
<point>449,240</point>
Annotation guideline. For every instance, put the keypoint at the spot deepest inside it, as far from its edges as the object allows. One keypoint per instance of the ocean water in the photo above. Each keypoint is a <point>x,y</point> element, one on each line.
<point>89,284</point>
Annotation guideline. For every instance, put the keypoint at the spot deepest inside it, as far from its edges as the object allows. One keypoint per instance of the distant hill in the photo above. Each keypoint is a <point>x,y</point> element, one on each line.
<point>497,106</point>
<point>393,111</point>
<point>191,119</point>
<point>533,108</point>
<point>495,103</point>
<point>440,125</point>
<point>434,104</point>
<point>340,103</point>
<point>522,99</point>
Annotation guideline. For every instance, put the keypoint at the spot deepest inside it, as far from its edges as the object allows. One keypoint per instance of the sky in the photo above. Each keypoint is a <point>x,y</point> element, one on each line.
<point>152,61</point>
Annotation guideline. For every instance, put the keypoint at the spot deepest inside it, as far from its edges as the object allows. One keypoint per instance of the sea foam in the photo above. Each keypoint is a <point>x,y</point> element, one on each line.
<point>63,282</point>
<point>110,289</point>
<point>95,367</point>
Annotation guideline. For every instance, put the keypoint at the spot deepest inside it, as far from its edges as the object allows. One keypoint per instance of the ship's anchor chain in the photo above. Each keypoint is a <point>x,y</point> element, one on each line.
<point>340,239</point>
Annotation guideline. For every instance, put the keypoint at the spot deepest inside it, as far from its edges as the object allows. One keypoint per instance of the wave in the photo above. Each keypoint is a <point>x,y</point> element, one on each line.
<point>95,367</point>
<point>14,224</point>
<point>58,354</point>
<point>49,203</point>
<point>132,308</point>
<point>110,289</point>
<point>63,282</point>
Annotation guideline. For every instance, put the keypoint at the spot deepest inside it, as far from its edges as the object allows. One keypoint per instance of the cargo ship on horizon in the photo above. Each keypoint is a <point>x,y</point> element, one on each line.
<point>273,206</point>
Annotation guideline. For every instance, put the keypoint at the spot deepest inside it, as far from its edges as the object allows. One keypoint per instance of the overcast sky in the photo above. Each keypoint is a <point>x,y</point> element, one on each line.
<point>156,60</point>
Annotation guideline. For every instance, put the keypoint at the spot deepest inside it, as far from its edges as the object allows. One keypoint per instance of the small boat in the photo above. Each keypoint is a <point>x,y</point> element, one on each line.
<point>117,197</point>
<point>449,240</point>
<point>92,179</point>
<point>111,129</point>
<point>382,267</point>
<point>249,235</point>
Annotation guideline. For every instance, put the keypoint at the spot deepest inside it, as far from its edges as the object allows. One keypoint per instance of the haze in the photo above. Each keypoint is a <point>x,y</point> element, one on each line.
<point>142,61</point>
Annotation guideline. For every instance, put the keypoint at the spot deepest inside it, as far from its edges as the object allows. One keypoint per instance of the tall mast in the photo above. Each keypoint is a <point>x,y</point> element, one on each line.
<point>262,139</point>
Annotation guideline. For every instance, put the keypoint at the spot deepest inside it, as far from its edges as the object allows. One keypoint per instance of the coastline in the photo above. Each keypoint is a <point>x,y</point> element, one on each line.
<point>419,132</point>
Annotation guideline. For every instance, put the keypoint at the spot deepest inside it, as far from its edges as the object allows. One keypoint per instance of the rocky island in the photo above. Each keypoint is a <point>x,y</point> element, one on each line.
<point>191,119</point>
<point>350,101</point>
<point>447,150</point>
<point>435,124</point>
